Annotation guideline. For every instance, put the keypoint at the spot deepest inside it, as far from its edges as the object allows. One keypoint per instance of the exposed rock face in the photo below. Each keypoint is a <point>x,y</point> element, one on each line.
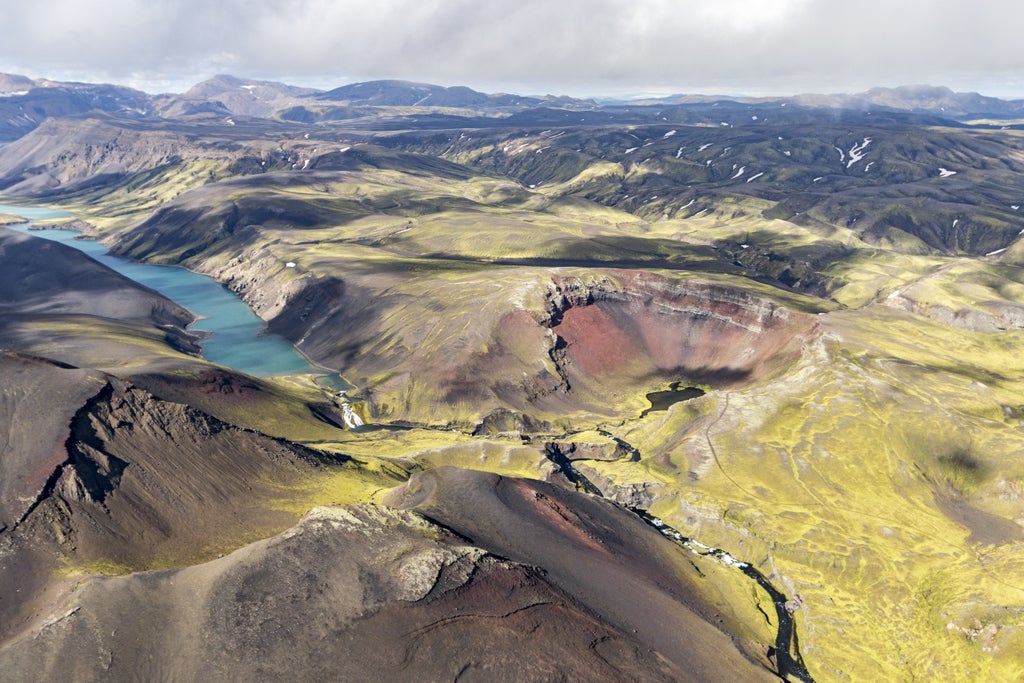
<point>990,316</point>
<point>648,327</point>
<point>127,479</point>
<point>618,332</point>
<point>611,334</point>
<point>357,594</point>
<point>128,453</point>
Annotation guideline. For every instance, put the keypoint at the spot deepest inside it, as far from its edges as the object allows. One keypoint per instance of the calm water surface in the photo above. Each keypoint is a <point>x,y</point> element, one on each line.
<point>238,337</point>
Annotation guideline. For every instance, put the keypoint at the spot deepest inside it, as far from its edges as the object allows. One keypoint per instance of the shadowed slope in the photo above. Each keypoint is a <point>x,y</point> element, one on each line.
<point>46,277</point>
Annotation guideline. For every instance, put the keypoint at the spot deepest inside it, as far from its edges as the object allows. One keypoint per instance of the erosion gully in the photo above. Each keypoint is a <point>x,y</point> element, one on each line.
<point>786,652</point>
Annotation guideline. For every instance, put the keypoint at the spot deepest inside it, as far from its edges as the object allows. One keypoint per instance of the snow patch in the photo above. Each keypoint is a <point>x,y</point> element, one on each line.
<point>669,134</point>
<point>290,264</point>
<point>631,150</point>
<point>857,152</point>
<point>755,177</point>
<point>704,147</point>
<point>996,252</point>
<point>743,169</point>
<point>945,172</point>
<point>351,419</point>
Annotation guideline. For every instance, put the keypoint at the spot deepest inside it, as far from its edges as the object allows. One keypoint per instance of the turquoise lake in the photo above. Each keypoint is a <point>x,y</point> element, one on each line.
<point>237,336</point>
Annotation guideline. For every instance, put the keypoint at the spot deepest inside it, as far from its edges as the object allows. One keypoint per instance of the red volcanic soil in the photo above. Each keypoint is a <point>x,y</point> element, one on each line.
<point>650,327</point>
<point>595,343</point>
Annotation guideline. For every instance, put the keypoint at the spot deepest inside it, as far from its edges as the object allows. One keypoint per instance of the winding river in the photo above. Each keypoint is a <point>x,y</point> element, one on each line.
<point>234,335</point>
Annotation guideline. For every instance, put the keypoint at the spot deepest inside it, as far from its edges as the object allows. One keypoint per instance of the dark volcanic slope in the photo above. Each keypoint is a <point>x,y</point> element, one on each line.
<point>353,594</point>
<point>45,277</point>
<point>125,480</point>
<point>603,556</point>
<point>37,401</point>
<point>42,282</point>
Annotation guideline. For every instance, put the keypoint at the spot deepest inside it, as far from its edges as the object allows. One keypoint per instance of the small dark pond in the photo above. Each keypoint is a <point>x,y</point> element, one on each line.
<point>676,393</point>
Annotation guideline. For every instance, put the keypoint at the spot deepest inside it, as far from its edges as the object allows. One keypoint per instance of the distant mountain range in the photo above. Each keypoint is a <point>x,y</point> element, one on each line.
<point>26,102</point>
<point>918,99</point>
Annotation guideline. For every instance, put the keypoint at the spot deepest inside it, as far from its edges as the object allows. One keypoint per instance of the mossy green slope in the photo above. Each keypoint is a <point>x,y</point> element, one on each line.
<point>874,473</point>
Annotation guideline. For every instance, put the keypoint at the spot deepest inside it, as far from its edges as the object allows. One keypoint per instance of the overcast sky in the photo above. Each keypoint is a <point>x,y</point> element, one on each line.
<point>576,47</point>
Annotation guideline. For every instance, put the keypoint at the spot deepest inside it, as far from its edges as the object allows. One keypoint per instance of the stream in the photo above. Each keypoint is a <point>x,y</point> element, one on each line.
<point>786,651</point>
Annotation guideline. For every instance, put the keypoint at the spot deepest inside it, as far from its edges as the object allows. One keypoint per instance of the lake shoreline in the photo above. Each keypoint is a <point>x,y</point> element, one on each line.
<point>239,339</point>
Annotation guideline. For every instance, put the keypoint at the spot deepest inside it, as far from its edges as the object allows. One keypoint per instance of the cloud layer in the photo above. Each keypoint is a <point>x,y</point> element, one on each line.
<point>575,46</point>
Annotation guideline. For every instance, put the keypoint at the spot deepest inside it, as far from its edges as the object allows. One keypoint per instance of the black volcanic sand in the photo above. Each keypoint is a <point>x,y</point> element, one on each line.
<point>356,594</point>
<point>623,571</point>
<point>44,277</point>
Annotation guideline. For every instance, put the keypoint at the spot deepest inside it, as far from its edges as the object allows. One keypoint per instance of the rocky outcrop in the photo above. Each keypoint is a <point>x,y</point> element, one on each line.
<point>992,316</point>
<point>128,480</point>
<point>39,400</point>
<point>129,452</point>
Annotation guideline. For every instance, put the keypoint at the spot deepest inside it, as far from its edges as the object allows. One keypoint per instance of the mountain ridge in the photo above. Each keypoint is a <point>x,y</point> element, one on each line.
<point>273,96</point>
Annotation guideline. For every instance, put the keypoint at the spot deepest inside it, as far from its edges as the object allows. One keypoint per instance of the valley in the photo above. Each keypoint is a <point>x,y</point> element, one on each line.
<point>514,291</point>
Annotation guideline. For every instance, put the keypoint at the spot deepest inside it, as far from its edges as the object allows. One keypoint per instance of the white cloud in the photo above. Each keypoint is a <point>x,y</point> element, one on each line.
<point>748,16</point>
<point>578,46</point>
